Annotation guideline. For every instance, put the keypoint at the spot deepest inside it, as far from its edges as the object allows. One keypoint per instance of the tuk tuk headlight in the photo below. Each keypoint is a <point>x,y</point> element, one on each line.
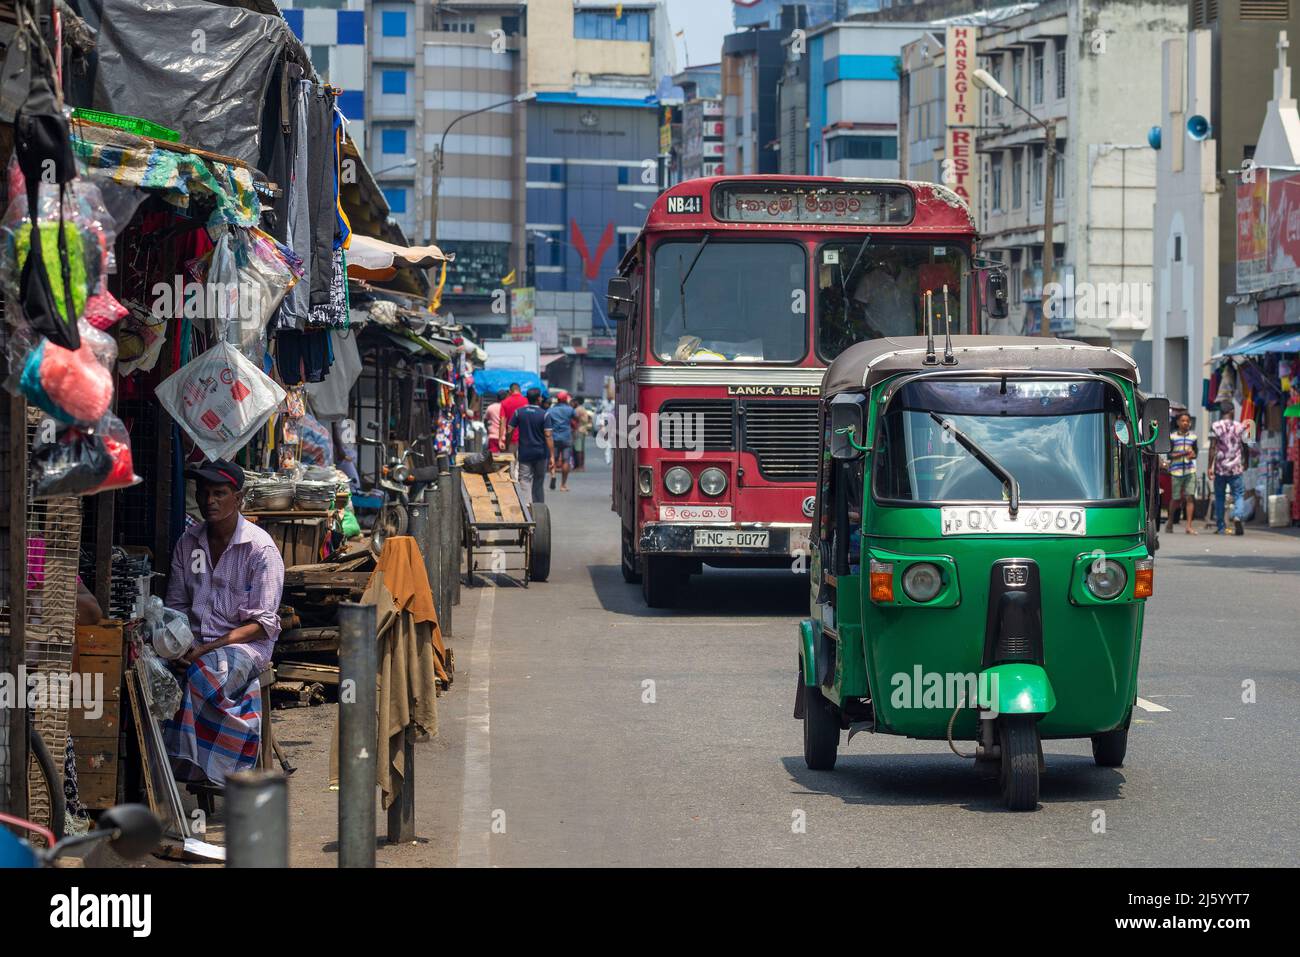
<point>1106,579</point>
<point>922,582</point>
<point>713,482</point>
<point>677,480</point>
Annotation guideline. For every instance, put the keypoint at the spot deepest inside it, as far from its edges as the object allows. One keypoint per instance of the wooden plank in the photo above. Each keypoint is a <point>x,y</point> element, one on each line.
<point>507,494</point>
<point>139,718</point>
<point>96,755</point>
<point>102,639</point>
<point>306,671</point>
<point>110,722</point>
<point>294,578</point>
<point>482,510</point>
<point>97,790</point>
<point>110,666</point>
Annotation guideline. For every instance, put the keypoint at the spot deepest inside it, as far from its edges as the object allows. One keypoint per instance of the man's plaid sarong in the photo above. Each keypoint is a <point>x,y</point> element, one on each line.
<point>218,727</point>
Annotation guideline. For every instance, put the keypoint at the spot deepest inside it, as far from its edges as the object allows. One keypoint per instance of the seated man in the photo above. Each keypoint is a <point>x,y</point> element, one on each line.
<point>227,577</point>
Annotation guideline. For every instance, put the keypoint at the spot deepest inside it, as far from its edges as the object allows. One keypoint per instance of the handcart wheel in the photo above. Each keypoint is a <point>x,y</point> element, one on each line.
<point>1019,772</point>
<point>821,730</point>
<point>540,547</point>
<point>1108,749</point>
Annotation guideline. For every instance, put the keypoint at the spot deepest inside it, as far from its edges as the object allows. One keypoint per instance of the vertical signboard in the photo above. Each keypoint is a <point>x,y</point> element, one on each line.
<point>1252,232</point>
<point>1282,267</point>
<point>960,165</point>
<point>523,307</point>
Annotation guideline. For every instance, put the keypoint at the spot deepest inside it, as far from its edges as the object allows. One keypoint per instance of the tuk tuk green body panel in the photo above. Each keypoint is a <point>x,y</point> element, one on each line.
<point>1018,689</point>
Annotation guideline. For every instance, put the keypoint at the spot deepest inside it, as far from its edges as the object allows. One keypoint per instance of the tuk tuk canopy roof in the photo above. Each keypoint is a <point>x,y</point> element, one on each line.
<point>864,364</point>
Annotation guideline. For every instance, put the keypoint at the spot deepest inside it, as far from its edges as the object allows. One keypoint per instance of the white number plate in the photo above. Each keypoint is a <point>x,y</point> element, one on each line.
<point>991,520</point>
<point>730,538</point>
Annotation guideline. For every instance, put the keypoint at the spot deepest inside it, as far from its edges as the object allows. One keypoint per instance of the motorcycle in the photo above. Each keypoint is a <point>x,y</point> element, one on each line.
<point>131,830</point>
<point>402,483</point>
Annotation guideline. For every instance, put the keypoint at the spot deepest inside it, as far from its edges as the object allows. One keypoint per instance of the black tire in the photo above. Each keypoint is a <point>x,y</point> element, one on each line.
<point>541,545</point>
<point>628,561</point>
<point>1108,749</point>
<point>394,519</point>
<point>1019,770</point>
<point>661,580</point>
<point>821,731</point>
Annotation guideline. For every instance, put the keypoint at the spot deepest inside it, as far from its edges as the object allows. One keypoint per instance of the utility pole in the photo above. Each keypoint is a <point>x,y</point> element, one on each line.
<point>1049,215</point>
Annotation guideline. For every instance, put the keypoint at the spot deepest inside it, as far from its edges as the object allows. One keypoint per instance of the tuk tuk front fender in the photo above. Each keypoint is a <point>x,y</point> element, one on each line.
<point>1018,688</point>
<point>807,651</point>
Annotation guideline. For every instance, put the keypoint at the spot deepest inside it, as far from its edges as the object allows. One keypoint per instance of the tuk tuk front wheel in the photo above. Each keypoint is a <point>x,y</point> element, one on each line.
<point>821,731</point>
<point>1018,736</point>
<point>1108,749</point>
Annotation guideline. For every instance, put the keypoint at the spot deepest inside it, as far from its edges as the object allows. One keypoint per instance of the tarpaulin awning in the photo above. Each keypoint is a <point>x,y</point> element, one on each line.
<point>549,357</point>
<point>1280,339</point>
<point>370,258</point>
<point>412,343</point>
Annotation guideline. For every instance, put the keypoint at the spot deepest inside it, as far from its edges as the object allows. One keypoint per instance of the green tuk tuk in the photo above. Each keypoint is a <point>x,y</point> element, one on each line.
<point>983,548</point>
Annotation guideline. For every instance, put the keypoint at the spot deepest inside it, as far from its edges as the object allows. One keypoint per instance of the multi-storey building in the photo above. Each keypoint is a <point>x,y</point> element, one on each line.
<point>334,35</point>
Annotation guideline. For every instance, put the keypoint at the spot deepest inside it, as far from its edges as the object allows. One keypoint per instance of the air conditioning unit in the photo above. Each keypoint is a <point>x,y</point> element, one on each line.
<point>578,342</point>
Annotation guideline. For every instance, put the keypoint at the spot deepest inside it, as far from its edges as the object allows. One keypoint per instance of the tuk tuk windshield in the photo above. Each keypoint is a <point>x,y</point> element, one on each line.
<point>1065,440</point>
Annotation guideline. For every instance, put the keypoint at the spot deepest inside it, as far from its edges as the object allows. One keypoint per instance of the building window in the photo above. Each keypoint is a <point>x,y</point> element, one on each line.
<point>1178,249</point>
<point>320,60</point>
<point>1058,187</point>
<point>396,200</point>
<point>1036,174</point>
<point>1017,74</point>
<point>605,25</point>
<point>393,141</point>
<point>1060,67</point>
<point>996,73</point>
<point>478,268</point>
<point>1036,74</point>
<point>1017,178</point>
<point>393,23</point>
<point>1016,276</point>
<point>996,189</point>
<point>457,26</point>
<point>862,148</point>
<point>394,81</point>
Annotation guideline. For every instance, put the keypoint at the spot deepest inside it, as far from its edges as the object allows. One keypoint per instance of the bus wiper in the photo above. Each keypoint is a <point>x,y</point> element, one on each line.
<point>687,275</point>
<point>844,282</point>
<point>988,461</point>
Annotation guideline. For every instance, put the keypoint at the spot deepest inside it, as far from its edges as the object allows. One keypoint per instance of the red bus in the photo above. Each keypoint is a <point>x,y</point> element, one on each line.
<point>737,293</point>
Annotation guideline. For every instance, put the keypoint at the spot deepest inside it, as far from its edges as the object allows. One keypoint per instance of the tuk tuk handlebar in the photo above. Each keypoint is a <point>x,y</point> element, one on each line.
<point>850,431</point>
<point>1155,434</point>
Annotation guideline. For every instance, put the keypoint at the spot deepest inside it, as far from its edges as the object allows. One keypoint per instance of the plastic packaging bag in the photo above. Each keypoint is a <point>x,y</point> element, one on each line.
<point>117,442</point>
<point>164,689</point>
<point>169,629</point>
<point>221,399</point>
<point>75,463</point>
<point>70,384</point>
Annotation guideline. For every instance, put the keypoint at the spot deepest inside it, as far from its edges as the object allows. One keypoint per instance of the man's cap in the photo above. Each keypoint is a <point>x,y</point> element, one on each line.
<point>220,471</point>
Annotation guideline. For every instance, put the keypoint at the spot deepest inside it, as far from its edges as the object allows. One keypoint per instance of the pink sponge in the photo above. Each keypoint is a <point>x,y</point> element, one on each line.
<point>76,382</point>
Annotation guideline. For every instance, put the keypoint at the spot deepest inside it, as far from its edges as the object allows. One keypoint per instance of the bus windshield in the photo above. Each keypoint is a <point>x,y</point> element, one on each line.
<point>1063,440</point>
<point>866,292</point>
<point>741,301</point>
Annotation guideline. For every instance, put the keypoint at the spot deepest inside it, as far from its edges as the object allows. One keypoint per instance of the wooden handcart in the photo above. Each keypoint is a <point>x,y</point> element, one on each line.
<point>497,518</point>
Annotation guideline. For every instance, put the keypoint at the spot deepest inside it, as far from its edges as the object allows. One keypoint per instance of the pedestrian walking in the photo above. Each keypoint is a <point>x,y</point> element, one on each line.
<point>581,429</point>
<point>1227,462</point>
<point>1182,471</point>
<point>492,422</point>
<point>509,438</point>
<point>560,420</point>
<point>534,449</point>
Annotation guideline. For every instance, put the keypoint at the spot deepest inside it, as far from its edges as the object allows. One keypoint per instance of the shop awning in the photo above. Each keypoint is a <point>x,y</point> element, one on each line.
<point>375,259</point>
<point>1281,339</point>
<point>549,357</point>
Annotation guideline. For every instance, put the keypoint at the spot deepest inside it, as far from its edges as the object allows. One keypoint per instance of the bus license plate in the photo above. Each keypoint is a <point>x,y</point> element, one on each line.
<point>980,520</point>
<point>730,538</point>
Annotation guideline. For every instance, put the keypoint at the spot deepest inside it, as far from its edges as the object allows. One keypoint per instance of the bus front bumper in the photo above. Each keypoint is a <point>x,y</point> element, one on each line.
<point>725,540</point>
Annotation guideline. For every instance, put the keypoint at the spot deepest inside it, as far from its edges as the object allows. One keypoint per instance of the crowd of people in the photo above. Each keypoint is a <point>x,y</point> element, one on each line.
<point>546,434</point>
<point>1227,463</point>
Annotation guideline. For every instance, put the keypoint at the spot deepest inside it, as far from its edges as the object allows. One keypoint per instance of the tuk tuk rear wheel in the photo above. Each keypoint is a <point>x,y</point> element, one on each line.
<point>1018,735</point>
<point>1108,749</point>
<point>821,731</point>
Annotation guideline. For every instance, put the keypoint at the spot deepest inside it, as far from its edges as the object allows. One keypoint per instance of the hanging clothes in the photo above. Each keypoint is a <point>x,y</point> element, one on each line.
<point>322,189</point>
<point>303,356</point>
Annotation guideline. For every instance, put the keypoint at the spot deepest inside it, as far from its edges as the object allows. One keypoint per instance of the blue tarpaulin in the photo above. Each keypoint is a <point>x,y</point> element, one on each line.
<point>1279,339</point>
<point>491,381</point>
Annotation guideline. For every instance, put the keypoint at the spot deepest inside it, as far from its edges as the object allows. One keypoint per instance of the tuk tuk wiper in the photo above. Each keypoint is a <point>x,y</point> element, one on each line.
<point>988,461</point>
<point>681,290</point>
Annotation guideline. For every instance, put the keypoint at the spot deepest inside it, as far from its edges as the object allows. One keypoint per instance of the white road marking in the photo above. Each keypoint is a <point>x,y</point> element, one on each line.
<point>476,797</point>
<point>1146,705</point>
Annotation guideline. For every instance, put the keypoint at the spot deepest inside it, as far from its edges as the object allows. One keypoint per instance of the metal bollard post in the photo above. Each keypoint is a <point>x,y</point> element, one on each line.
<point>420,527</point>
<point>449,553</point>
<point>433,544</point>
<point>401,813</point>
<point>453,548</point>
<point>258,805</point>
<point>358,734</point>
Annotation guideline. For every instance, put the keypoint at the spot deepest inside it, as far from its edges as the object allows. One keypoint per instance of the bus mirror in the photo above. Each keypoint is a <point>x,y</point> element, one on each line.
<point>1154,427</point>
<point>997,294</point>
<point>619,300</point>
<point>847,426</point>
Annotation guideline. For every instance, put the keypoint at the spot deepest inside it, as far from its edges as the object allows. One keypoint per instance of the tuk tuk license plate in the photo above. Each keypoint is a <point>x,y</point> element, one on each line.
<point>979,520</point>
<point>730,538</point>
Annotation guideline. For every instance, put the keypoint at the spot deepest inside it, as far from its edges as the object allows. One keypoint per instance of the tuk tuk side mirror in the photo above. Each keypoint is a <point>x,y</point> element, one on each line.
<point>997,294</point>
<point>619,299</point>
<point>848,419</point>
<point>1153,428</point>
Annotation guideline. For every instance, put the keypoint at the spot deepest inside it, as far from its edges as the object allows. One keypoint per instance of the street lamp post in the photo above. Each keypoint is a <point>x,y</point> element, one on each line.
<point>438,154</point>
<point>984,79</point>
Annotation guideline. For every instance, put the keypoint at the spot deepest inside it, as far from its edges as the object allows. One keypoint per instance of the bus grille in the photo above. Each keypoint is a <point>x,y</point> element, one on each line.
<point>783,436</point>
<point>683,423</point>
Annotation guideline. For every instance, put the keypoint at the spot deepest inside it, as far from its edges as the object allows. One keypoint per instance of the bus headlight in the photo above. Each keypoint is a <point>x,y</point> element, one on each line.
<point>645,480</point>
<point>677,480</point>
<point>1106,579</point>
<point>713,482</point>
<point>922,582</point>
